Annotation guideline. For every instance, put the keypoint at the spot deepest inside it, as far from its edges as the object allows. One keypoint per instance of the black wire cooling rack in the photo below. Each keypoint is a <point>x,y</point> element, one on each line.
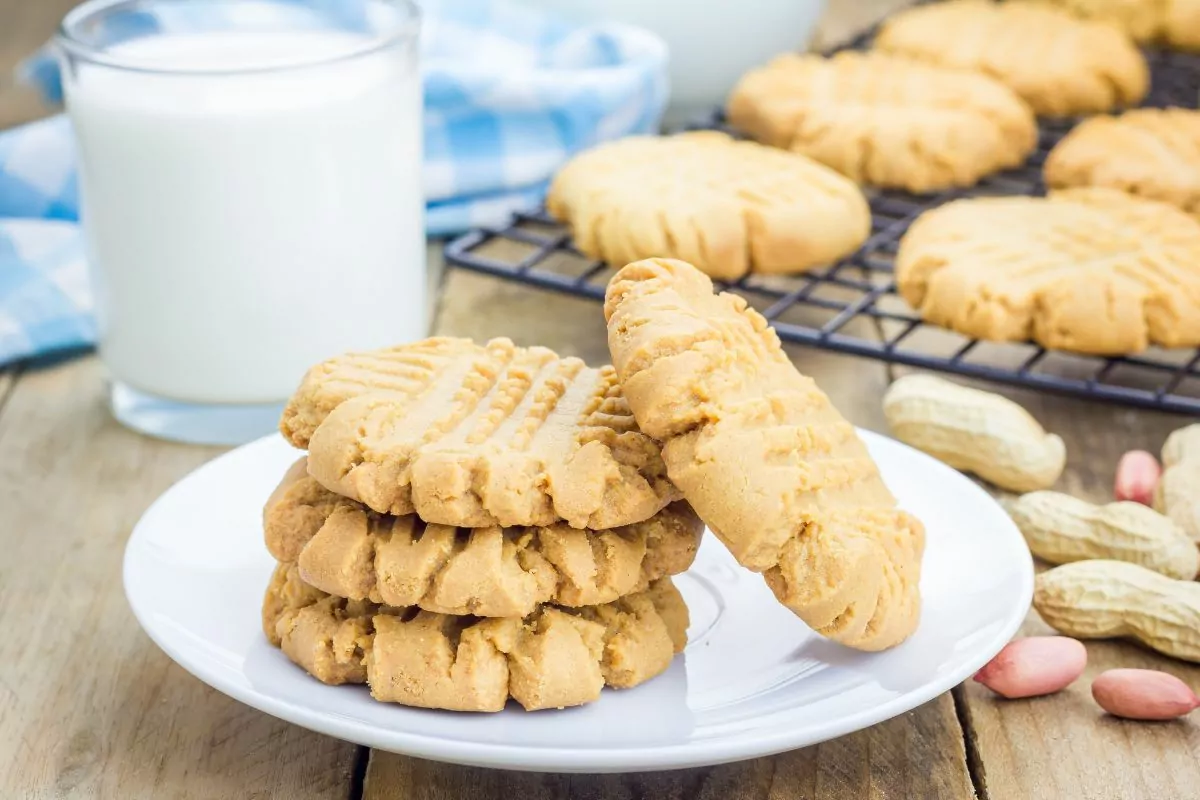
<point>852,306</point>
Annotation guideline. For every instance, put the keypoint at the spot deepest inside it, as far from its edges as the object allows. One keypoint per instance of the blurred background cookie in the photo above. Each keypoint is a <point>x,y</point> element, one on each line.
<point>729,207</point>
<point>1058,63</point>
<point>1150,152</point>
<point>1175,23</point>
<point>1087,270</point>
<point>886,120</point>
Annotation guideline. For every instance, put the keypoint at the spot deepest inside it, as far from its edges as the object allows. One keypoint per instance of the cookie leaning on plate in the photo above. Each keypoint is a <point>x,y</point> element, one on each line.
<point>1089,270</point>
<point>553,658</point>
<point>1150,152</point>
<point>886,120</point>
<point>730,207</point>
<point>763,456</point>
<point>477,435</point>
<point>341,547</point>
<point>1057,62</point>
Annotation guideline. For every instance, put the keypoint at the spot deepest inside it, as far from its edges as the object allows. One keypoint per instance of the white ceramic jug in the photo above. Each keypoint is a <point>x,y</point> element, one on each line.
<point>712,42</point>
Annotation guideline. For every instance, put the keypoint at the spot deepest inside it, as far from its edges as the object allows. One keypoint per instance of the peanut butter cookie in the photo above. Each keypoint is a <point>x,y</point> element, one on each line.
<point>886,120</point>
<point>1175,23</point>
<point>477,436</point>
<point>1089,270</point>
<point>763,456</point>
<point>1149,152</point>
<point>343,548</point>
<point>1058,63</point>
<point>551,659</point>
<point>730,207</point>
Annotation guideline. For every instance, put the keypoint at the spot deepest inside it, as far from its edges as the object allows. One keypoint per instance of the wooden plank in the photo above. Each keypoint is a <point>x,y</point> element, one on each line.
<point>1064,746</point>
<point>920,754</point>
<point>89,706</point>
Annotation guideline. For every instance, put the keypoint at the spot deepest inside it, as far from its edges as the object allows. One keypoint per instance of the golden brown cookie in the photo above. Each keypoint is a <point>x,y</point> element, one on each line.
<point>886,120</point>
<point>730,207</point>
<point>1058,63</point>
<point>1149,152</point>
<point>477,435</point>
<point>1181,24</point>
<point>763,456</point>
<point>1175,23</point>
<point>1089,270</point>
<point>551,659</point>
<point>343,548</point>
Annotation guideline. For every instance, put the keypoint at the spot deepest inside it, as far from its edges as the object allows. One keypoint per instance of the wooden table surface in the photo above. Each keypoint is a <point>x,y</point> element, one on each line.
<point>89,707</point>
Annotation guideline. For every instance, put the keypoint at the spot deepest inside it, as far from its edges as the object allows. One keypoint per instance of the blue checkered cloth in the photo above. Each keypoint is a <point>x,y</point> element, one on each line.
<point>510,93</point>
<point>45,302</point>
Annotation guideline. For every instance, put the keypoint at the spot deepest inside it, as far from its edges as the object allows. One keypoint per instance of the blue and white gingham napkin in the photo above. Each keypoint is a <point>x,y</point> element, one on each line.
<point>510,93</point>
<point>45,303</point>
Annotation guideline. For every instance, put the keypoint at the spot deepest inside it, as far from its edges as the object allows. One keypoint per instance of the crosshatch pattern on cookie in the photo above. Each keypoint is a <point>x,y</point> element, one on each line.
<point>885,120</point>
<point>1058,63</point>
<point>729,207</point>
<point>553,658</point>
<point>1090,270</point>
<point>763,456</point>
<point>477,436</point>
<point>345,549</point>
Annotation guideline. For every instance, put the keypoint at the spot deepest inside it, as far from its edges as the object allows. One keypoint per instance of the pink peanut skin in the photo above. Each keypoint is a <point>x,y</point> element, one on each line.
<point>1143,694</point>
<point>1034,666</point>
<point>1137,475</point>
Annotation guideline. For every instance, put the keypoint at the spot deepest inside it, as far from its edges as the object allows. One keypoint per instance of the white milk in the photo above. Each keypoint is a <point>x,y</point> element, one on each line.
<point>243,226</point>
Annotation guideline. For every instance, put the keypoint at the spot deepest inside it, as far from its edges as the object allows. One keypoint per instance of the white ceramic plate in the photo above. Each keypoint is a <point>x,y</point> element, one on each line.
<point>753,680</point>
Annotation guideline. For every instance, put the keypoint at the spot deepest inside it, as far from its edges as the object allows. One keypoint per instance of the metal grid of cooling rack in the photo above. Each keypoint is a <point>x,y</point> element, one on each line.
<point>852,306</point>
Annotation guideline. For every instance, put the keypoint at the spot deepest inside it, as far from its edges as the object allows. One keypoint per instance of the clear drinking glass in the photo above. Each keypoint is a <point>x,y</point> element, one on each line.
<point>250,174</point>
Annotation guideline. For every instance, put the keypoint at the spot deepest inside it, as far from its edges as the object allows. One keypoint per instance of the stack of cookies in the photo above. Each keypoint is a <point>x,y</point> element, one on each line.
<point>473,523</point>
<point>478,522</point>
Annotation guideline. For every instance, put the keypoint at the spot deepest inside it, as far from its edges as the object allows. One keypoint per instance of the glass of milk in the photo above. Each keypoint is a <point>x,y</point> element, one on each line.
<point>250,173</point>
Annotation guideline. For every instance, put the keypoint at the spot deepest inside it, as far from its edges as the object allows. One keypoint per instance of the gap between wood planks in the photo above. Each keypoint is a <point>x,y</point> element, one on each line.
<point>970,742</point>
<point>358,773</point>
<point>8,382</point>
